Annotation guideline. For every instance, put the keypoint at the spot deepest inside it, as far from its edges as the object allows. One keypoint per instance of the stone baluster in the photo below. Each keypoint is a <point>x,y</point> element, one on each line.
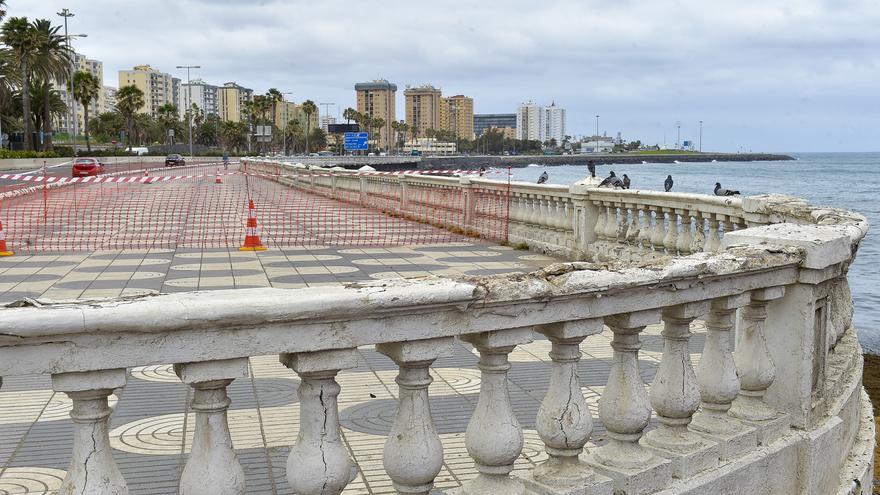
<point>632,230</point>
<point>646,230</point>
<point>413,453</point>
<point>601,218</point>
<point>563,422</point>
<point>212,467</point>
<point>92,469</point>
<point>546,211</point>
<point>675,397</point>
<point>756,370</point>
<point>719,383</point>
<point>713,241</point>
<point>557,212</point>
<point>493,437</point>
<point>683,245</point>
<point>671,240</point>
<point>318,463</point>
<point>534,209</point>
<point>611,222</point>
<point>699,238</point>
<point>659,233</point>
<point>624,410</point>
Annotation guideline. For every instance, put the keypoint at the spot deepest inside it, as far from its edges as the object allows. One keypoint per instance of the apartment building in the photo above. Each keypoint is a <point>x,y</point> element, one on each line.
<point>93,67</point>
<point>457,115</point>
<point>201,94</point>
<point>159,88</point>
<point>554,123</point>
<point>232,98</point>
<point>377,99</point>
<point>422,108</point>
<point>484,121</point>
<point>530,122</point>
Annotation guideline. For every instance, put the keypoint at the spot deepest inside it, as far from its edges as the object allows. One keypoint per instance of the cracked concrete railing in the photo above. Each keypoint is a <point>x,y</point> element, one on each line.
<point>783,412</point>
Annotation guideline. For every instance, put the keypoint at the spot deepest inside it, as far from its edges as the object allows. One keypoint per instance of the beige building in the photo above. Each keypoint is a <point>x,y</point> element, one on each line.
<point>422,108</point>
<point>232,99</point>
<point>159,87</point>
<point>95,68</point>
<point>457,116</point>
<point>288,110</point>
<point>506,132</point>
<point>430,146</point>
<point>377,99</point>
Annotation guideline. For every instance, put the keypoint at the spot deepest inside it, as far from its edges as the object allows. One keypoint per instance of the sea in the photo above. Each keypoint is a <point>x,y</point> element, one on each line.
<point>843,180</point>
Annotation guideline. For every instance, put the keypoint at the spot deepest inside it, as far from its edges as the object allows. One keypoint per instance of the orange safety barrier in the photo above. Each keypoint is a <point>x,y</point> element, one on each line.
<point>251,236</point>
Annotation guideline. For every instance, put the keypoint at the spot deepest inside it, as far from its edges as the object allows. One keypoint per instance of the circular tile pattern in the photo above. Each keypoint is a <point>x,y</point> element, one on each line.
<point>31,481</point>
<point>60,405</point>
<point>156,373</point>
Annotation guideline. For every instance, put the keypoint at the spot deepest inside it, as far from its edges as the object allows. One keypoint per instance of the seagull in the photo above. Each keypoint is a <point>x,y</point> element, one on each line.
<point>592,168</point>
<point>668,184</point>
<point>611,181</point>
<point>719,191</point>
<point>626,182</point>
<point>543,178</point>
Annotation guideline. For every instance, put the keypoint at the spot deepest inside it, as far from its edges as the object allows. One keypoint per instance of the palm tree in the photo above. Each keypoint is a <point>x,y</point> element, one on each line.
<point>308,107</point>
<point>167,116</point>
<point>52,64</point>
<point>129,100</point>
<point>86,88</point>
<point>20,37</point>
<point>275,97</point>
<point>378,123</point>
<point>43,96</point>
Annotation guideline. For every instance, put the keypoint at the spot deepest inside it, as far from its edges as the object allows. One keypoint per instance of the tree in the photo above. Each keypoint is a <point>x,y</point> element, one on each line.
<point>21,38</point>
<point>107,126</point>
<point>275,97</point>
<point>308,107</point>
<point>167,117</point>
<point>52,64</point>
<point>86,88</point>
<point>377,123</point>
<point>43,96</point>
<point>129,100</point>
<point>350,114</point>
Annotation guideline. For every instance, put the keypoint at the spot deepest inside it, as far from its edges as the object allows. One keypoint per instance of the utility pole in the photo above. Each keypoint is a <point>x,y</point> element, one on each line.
<point>189,104</point>
<point>326,112</point>
<point>286,118</point>
<point>701,136</point>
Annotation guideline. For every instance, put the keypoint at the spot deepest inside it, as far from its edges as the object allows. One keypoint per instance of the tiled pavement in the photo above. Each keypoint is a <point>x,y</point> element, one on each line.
<point>151,432</point>
<point>115,273</point>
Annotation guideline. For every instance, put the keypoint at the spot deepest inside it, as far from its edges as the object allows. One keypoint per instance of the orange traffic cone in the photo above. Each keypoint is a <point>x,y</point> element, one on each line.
<point>3,250</point>
<point>146,174</point>
<point>217,177</point>
<point>251,238</point>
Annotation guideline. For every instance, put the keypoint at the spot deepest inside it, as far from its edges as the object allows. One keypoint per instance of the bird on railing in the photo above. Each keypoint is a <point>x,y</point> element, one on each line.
<point>626,181</point>
<point>667,185</point>
<point>720,191</point>
<point>543,178</point>
<point>611,181</point>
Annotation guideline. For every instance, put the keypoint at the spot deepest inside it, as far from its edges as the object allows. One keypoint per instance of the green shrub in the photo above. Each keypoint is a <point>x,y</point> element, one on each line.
<point>522,246</point>
<point>10,154</point>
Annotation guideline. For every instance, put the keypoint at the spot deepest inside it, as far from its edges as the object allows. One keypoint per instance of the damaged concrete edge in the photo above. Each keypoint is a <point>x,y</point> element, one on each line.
<point>268,306</point>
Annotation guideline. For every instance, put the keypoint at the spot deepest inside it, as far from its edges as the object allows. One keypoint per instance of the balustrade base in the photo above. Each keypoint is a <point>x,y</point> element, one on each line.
<point>686,463</point>
<point>770,430</point>
<point>491,485</point>
<point>734,438</point>
<point>652,476</point>
<point>589,484</point>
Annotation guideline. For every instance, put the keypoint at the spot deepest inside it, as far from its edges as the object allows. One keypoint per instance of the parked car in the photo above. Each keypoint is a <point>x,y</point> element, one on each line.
<point>86,167</point>
<point>174,160</point>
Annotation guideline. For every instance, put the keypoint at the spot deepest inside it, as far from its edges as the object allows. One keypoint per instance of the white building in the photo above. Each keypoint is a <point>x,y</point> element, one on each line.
<point>530,122</point>
<point>95,68</point>
<point>430,146</point>
<point>201,94</point>
<point>327,120</point>
<point>554,123</point>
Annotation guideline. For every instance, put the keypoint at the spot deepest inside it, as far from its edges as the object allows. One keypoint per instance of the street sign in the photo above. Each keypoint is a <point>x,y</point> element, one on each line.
<point>356,141</point>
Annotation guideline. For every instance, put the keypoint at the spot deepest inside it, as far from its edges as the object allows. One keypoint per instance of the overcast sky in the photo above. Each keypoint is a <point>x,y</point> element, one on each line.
<point>763,75</point>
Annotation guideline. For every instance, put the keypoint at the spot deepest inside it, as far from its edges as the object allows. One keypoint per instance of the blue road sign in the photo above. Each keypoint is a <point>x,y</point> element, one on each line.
<point>356,141</point>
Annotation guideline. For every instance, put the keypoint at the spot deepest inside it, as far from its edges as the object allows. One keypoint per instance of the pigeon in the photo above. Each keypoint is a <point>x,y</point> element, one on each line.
<point>668,184</point>
<point>543,178</point>
<point>592,168</point>
<point>611,181</point>
<point>626,182</point>
<point>719,191</point>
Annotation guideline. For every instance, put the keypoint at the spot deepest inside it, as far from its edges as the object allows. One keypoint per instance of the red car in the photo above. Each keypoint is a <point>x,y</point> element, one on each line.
<point>86,167</point>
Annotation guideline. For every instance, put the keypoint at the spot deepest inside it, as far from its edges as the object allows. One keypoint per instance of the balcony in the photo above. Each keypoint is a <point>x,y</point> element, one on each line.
<point>692,345</point>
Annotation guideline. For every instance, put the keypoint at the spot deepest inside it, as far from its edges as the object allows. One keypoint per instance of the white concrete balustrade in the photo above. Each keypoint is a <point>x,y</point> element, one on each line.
<point>780,411</point>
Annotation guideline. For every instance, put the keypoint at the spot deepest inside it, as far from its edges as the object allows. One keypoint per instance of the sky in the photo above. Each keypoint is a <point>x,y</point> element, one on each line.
<point>765,75</point>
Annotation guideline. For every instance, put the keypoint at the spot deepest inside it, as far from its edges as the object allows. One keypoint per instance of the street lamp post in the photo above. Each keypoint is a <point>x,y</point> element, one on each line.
<point>678,136</point>
<point>189,104</point>
<point>597,133</point>
<point>1,123</point>
<point>286,118</point>
<point>66,14</point>
<point>701,136</point>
